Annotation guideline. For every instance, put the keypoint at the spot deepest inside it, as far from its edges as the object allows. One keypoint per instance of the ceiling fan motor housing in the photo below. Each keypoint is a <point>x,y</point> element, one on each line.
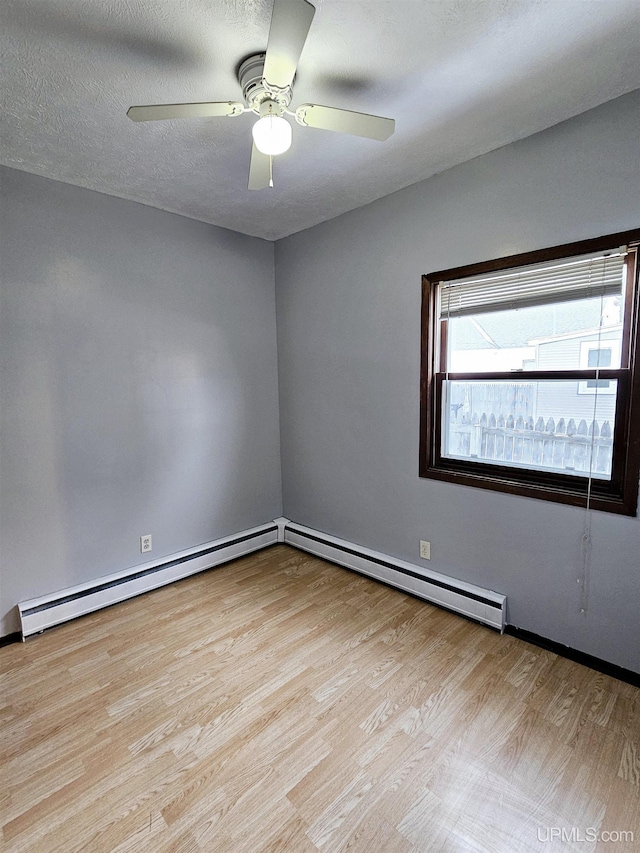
<point>256,89</point>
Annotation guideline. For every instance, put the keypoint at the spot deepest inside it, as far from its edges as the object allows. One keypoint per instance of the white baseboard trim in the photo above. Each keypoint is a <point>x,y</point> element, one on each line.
<point>476,603</point>
<point>37,614</point>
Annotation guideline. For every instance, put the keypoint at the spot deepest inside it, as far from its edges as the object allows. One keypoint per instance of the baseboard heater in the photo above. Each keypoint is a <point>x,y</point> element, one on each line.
<point>48,610</point>
<point>472,601</point>
<point>476,603</point>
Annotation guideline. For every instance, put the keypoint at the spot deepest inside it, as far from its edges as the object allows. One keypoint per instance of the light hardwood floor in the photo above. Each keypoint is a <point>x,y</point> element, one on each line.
<point>280,703</point>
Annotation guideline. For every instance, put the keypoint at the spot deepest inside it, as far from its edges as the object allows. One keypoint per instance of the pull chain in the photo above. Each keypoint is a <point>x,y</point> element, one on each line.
<point>270,171</point>
<point>585,576</point>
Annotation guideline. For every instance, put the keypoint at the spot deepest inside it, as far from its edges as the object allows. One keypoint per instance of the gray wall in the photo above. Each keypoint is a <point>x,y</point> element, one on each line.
<point>348,302</point>
<point>138,387</point>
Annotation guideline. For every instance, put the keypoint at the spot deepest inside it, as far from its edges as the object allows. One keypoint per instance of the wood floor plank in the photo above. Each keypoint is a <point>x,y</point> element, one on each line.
<point>280,703</point>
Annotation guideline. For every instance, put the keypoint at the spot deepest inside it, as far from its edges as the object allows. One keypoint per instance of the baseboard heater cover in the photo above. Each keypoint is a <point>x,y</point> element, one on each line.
<point>37,614</point>
<point>472,601</point>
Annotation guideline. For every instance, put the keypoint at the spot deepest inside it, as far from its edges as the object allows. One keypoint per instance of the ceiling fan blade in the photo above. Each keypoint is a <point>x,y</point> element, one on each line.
<point>290,22</point>
<point>159,112</point>
<point>259,170</point>
<point>345,121</point>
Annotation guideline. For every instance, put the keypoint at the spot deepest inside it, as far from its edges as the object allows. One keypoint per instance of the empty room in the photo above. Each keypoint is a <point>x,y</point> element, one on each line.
<point>319,426</point>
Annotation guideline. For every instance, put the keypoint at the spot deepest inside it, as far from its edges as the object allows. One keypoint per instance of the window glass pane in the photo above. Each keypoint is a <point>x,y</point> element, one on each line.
<point>599,357</point>
<point>564,336</point>
<point>542,426</point>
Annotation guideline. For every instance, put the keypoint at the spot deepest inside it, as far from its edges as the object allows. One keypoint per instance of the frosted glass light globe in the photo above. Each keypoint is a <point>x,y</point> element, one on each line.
<point>272,135</point>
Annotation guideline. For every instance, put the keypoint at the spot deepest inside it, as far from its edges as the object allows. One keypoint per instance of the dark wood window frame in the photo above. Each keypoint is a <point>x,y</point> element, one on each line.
<point>620,493</point>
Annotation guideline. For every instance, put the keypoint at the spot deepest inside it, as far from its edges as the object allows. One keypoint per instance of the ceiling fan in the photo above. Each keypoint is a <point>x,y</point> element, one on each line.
<point>266,80</point>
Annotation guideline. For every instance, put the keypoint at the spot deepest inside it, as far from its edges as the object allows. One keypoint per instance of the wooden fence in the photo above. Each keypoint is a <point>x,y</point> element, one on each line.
<point>562,446</point>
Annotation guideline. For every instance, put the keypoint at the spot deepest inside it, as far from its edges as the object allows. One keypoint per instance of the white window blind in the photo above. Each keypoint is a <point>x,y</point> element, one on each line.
<point>539,284</point>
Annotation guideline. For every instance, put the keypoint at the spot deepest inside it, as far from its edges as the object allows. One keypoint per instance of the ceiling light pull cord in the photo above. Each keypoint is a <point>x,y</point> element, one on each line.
<point>271,171</point>
<point>584,577</point>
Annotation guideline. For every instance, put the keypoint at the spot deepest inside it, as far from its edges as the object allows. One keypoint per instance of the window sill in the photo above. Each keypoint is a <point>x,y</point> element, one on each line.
<point>572,494</point>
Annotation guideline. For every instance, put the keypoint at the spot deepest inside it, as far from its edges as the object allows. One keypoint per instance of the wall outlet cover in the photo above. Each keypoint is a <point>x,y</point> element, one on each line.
<point>145,543</point>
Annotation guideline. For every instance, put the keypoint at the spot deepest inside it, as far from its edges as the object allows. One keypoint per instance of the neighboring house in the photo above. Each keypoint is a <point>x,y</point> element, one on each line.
<point>578,400</point>
<point>568,336</point>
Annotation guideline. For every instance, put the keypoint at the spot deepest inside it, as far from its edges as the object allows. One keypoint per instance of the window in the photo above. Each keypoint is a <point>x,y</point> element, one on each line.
<point>529,382</point>
<point>599,355</point>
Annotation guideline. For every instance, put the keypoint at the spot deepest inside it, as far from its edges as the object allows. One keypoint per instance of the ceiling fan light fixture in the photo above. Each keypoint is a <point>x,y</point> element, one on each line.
<point>271,133</point>
<point>266,80</point>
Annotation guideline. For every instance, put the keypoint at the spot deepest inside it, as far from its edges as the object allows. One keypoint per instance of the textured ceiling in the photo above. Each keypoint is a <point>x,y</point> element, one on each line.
<point>461,77</point>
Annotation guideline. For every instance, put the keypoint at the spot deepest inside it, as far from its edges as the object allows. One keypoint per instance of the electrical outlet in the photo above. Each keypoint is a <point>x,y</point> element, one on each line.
<point>425,550</point>
<point>145,543</point>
